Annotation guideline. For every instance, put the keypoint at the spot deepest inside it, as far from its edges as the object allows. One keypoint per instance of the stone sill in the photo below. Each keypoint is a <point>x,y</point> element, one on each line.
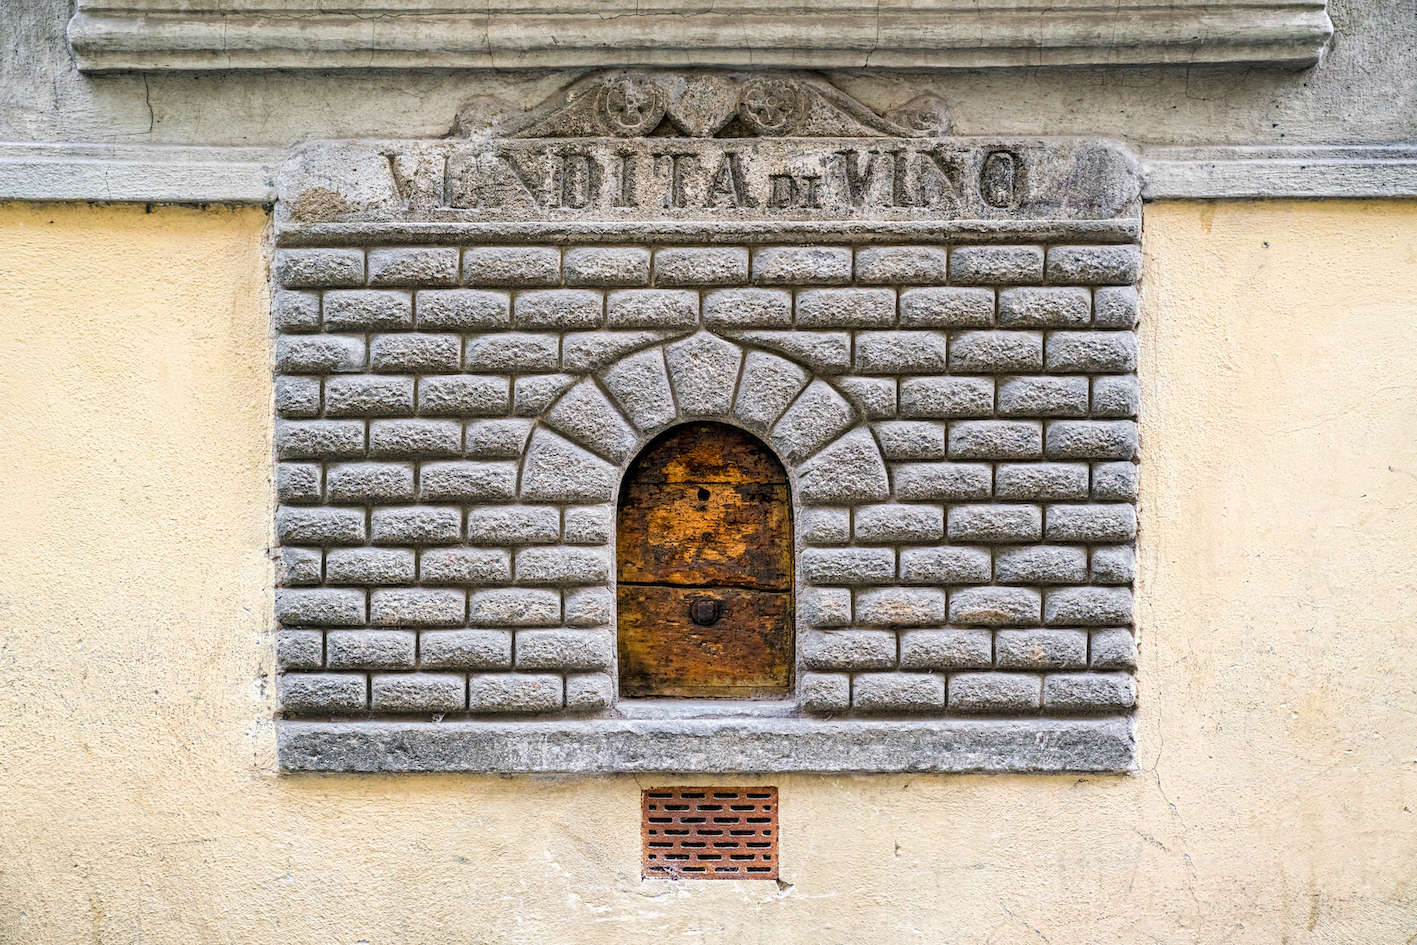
<point>726,745</point>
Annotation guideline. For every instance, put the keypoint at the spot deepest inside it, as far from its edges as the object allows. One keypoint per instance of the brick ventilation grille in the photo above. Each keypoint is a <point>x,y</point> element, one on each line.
<point>959,421</point>
<point>709,833</point>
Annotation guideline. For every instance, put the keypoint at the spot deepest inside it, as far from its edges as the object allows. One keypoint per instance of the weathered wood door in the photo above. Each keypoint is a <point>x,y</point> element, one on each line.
<point>704,554</point>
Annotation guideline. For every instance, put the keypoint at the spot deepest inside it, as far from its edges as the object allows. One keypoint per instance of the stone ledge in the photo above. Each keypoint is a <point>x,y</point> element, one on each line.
<point>713,746</point>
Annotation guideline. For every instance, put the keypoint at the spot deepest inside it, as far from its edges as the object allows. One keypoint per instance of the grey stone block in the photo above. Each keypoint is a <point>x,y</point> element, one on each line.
<point>900,607</point>
<point>319,268</point>
<point>557,309</point>
<point>298,482</point>
<point>947,482</point>
<point>824,693</point>
<point>514,524</point>
<point>873,397</point>
<point>367,309</point>
<point>996,265</point>
<point>522,266</point>
<point>1115,307</point>
<point>470,481</point>
<point>996,351</point>
<point>802,265</point>
<point>899,265</point>
<point>703,371</point>
<point>1089,692</point>
<point>589,524</point>
<point>1115,396</point>
<point>522,693</point>
<point>590,607</point>
<point>822,526</point>
<point>465,649</point>
<point>898,692</point>
<point>319,607</point>
<point>1087,606</point>
<point>370,649</point>
<point>892,523</point>
<point>465,566</point>
<point>769,384</point>
<point>323,693</point>
<point>946,397</point>
<point>947,648</point>
<point>399,439</point>
<point>1115,482</point>
<point>300,649</point>
<point>414,265</point>
<point>640,385</point>
<point>581,650</point>
<point>1040,649</point>
<point>462,310</point>
<point>298,397</point>
<point>847,472</point>
<point>1037,307</point>
<point>1091,523</point>
<point>1094,265</point>
<point>653,308</point>
<point>1113,565</point>
<point>1043,396</point>
<point>371,482</point>
<point>1113,648</point>
<point>994,606</point>
<point>848,649</point>
<point>606,266</point>
<point>370,566</point>
<point>1041,564</point>
<point>556,470</point>
<point>818,416</point>
<point>911,439</point>
<point>418,692</point>
<point>586,351</point>
<point>941,307</point>
<point>1091,439</point>
<point>319,354</point>
<point>995,692</point>
<point>1040,481</point>
<point>946,564</point>
<point>504,438</point>
<point>415,353</point>
<point>533,394</point>
<point>589,692</point>
<point>708,265</point>
<point>319,439</point>
<point>562,564</point>
<point>587,416</point>
<point>415,525</point>
<point>512,351</point>
<point>417,607</point>
<point>848,565</point>
<point>514,607</point>
<point>295,311</point>
<point>369,395</point>
<point>464,395</point>
<point>996,439</point>
<point>846,308</point>
<point>319,526</point>
<point>824,606</point>
<point>748,308</point>
<point>900,352</point>
<point>1091,352</point>
<point>825,352</point>
<point>300,567</point>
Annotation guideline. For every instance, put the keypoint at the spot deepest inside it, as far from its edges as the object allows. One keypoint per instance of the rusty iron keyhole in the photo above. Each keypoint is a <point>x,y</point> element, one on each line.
<point>703,494</point>
<point>705,611</point>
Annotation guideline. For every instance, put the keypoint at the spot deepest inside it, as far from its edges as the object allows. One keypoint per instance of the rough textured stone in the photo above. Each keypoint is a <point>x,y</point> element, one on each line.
<point>994,606</point>
<point>1089,692</point>
<point>640,385</point>
<point>514,607</point>
<point>416,607</point>
<point>703,371</point>
<point>846,308</point>
<point>587,416</point>
<point>824,526</point>
<point>521,266</point>
<point>300,649</point>
<point>911,439</point>
<point>1041,564</point>
<point>370,566</point>
<point>897,265</point>
<point>1115,307</point>
<point>413,265</point>
<point>298,397</point>
<point>706,265</point>
<point>319,607</point>
<point>994,692</point>
<point>818,416</point>
<point>323,693</point>
<point>900,607</point>
<point>769,384</point>
<point>565,649</point>
<point>514,524</point>
<point>1091,439</point>
<point>947,648</point>
<point>559,471</point>
<point>465,566</point>
<point>952,564</point>
<point>848,471</point>
<point>992,351</point>
<point>414,353</point>
<point>462,310</point>
<point>465,649</point>
<point>826,352</point>
<point>1091,352</point>
<point>940,307</point>
<point>464,395</point>
<point>1036,307</point>
<point>996,265</point>
<point>889,524</point>
<point>319,268</point>
<point>369,395</point>
<point>371,482</point>
<point>994,523</point>
<point>1091,523</point>
<point>606,266</point>
<point>900,352</point>
<point>1115,396</point>
<point>748,308</point>
<point>418,692</point>
<point>1043,397</point>
<point>942,481</point>
<point>367,309</point>
<point>1094,265</point>
<point>898,692</point>
<point>1040,481</point>
<point>996,439</point>
<point>513,351</point>
<point>589,692</point>
<point>849,649</point>
<point>652,308</point>
<point>370,649</point>
<point>515,692</point>
<point>562,564</point>
<point>418,525</point>
<point>874,397</point>
<point>824,693</point>
<point>414,438</point>
<point>1113,648</point>
<point>848,565</point>
<point>1040,649</point>
<point>825,606</point>
<point>1087,606</point>
<point>1113,565</point>
<point>802,265</point>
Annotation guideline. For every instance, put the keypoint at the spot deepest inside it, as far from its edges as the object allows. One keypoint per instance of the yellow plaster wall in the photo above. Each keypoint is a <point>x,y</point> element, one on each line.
<point>1275,799</point>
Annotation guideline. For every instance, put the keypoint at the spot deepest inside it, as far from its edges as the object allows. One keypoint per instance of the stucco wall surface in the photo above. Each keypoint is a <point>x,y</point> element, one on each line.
<point>139,800</point>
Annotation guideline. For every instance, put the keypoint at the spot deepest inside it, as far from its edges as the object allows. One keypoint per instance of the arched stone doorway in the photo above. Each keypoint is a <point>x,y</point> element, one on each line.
<point>704,568</point>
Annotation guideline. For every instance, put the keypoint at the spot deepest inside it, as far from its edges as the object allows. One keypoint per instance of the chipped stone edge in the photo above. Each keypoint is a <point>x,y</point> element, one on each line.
<point>713,746</point>
<point>198,175</point>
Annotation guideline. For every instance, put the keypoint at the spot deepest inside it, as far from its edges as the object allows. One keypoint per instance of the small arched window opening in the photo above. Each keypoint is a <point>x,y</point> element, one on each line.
<point>704,565</point>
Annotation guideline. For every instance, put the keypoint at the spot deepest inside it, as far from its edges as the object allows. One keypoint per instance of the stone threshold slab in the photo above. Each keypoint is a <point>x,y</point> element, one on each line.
<point>713,746</point>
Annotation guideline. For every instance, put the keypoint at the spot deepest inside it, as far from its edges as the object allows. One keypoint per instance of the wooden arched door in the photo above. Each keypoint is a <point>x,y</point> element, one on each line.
<point>704,562</point>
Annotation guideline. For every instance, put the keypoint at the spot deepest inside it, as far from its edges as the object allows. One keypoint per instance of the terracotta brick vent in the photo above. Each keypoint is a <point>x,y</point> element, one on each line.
<point>709,833</point>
